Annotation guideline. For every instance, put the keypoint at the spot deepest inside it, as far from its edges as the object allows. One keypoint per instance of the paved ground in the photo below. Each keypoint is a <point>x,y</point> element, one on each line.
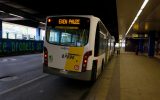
<point>126,77</point>
<point>139,77</point>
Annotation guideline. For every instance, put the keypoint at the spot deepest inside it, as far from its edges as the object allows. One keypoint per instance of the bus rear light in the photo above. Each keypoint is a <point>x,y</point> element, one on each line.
<point>85,60</point>
<point>49,20</point>
<point>45,56</point>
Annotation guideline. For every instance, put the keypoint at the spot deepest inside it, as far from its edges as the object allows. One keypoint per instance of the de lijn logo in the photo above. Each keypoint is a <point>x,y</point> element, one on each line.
<point>69,55</point>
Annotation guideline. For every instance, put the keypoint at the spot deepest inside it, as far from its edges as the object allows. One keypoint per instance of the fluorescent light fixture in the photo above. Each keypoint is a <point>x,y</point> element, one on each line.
<point>42,23</point>
<point>2,11</point>
<point>139,12</point>
<point>134,20</point>
<point>144,4</point>
<point>16,15</point>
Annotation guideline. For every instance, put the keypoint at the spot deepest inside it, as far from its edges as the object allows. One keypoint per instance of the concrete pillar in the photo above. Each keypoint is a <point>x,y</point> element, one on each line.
<point>0,37</point>
<point>15,36</point>
<point>37,33</point>
<point>141,45</point>
<point>0,29</point>
<point>7,34</point>
<point>151,44</point>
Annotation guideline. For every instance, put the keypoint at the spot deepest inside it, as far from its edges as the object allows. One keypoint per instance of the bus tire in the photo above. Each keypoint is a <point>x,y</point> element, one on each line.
<point>94,77</point>
<point>94,72</point>
<point>102,66</point>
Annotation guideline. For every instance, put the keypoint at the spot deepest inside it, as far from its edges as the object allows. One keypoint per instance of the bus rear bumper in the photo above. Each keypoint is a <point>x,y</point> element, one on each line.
<point>86,76</point>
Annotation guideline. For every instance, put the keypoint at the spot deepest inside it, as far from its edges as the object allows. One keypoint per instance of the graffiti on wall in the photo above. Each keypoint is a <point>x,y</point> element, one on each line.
<point>12,46</point>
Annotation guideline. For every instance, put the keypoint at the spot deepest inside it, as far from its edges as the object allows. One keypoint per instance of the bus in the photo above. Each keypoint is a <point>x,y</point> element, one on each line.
<point>75,46</point>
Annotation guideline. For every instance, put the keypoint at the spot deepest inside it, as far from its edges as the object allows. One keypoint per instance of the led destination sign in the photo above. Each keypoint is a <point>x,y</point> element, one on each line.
<point>69,22</point>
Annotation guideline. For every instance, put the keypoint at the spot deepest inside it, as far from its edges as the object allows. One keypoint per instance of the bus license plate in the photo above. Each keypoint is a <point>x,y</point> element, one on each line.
<point>63,71</point>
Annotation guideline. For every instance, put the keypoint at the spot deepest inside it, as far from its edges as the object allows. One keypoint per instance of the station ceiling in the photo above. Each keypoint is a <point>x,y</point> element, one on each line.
<point>147,22</point>
<point>37,12</point>
<point>117,15</point>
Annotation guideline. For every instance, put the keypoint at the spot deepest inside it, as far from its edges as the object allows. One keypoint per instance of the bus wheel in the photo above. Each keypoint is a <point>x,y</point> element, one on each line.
<point>94,71</point>
<point>102,66</point>
<point>94,75</point>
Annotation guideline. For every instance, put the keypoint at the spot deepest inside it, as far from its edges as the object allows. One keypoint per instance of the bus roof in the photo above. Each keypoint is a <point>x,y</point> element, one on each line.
<point>88,16</point>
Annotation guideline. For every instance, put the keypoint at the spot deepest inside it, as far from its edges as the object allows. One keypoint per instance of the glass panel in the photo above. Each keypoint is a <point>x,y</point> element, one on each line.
<point>16,31</point>
<point>54,37</point>
<point>42,34</point>
<point>65,38</point>
<point>68,37</point>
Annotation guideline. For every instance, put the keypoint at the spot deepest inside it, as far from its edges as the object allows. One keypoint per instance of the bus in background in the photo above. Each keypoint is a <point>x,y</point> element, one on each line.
<point>75,46</point>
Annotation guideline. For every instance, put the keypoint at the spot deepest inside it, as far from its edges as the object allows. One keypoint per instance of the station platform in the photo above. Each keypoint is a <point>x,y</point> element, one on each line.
<point>139,77</point>
<point>129,77</point>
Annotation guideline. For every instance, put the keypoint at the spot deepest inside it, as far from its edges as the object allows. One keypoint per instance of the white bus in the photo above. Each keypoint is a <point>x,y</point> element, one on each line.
<point>75,46</point>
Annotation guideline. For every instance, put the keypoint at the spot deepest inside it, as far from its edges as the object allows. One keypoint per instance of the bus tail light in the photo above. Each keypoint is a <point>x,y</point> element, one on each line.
<point>45,56</point>
<point>85,60</point>
<point>49,20</point>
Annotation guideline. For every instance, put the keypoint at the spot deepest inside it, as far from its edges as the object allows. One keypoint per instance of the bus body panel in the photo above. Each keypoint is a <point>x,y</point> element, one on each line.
<point>65,58</point>
<point>69,74</point>
<point>91,42</point>
<point>55,59</point>
<point>99,65</point>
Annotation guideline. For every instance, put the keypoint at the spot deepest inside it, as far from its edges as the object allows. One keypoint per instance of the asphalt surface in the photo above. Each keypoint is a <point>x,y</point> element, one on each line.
<point>22,78</point>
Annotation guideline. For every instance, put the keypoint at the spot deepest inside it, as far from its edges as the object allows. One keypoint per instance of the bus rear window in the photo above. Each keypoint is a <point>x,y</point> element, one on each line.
<point>68,37</point>
<point>68,31</point>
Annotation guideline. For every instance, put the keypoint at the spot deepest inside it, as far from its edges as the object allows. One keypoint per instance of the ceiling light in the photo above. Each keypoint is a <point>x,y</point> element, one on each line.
<point>16,15</point>
<point>144,4</point>
<point>2,11</point>
<point>42,23</point>
<point>139,12</point>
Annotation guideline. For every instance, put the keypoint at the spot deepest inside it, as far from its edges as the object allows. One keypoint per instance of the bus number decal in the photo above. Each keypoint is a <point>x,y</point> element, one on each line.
<point>69,56</point>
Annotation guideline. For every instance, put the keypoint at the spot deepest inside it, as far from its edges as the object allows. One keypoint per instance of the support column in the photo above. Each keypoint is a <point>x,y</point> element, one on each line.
<point>1,51</point>
<point>0,29</point>
<point>37,33</point>
<point>151,44</point>
<point>141,45</point>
